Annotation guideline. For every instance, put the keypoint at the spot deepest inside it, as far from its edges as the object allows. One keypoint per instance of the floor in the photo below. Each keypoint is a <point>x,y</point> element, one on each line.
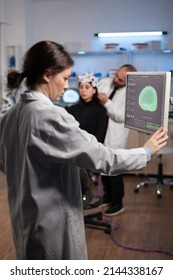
<point>143,231</point>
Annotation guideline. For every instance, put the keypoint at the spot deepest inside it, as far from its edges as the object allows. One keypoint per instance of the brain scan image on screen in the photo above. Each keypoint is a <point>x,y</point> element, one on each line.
<point>148,100</point>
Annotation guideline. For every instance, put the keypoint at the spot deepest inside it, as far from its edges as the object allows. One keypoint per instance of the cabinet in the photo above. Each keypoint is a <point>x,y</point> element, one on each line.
<point>13,54</point>
<point>137,139</point>
<point>11,57</point>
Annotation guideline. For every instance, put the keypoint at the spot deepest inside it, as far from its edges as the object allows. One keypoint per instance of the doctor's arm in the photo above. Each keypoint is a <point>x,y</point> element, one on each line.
<point>115,110</point>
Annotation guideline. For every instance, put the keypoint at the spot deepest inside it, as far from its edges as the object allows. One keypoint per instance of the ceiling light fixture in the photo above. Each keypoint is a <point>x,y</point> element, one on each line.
<point>130,34</point>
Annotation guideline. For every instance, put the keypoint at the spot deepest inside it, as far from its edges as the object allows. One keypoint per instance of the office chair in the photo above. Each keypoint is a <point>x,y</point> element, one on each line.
<point>94,220</point>
<point>159,181</point>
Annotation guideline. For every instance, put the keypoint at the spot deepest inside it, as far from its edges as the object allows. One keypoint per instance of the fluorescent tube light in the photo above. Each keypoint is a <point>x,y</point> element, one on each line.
<point>130,34</point>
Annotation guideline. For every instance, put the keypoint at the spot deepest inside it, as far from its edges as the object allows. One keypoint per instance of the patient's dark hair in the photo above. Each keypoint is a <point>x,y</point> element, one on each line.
<point>44,56</point>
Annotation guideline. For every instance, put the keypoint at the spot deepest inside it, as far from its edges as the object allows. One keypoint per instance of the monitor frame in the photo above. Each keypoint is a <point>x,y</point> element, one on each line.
<point>164,107</point>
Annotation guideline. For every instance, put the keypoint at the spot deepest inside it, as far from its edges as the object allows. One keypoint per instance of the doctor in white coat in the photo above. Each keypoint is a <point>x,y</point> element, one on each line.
<point>41,151</point>
<point>112,94</point>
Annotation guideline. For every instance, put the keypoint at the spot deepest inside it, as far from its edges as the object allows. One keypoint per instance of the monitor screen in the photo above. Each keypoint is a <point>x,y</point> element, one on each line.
<point>147,100</point>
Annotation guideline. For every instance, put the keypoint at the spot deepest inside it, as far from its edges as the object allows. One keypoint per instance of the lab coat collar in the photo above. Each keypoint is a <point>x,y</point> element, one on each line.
<point>29,95</point>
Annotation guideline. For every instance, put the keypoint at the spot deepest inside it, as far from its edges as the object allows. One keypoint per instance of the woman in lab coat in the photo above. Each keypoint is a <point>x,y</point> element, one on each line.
<point>41,150</point>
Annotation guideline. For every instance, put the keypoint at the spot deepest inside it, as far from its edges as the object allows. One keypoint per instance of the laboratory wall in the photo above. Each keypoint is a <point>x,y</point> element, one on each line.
<point>74,23</point>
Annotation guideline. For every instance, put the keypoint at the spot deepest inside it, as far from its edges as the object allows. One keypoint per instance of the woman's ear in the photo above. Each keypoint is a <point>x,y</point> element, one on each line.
<point>46,77</point>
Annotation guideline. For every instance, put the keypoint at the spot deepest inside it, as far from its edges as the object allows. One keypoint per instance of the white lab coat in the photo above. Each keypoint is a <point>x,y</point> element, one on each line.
<point>41,150</point>
<point>116,134</point>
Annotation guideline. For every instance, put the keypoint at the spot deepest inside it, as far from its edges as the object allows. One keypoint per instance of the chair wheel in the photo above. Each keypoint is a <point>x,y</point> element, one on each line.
<point>159,191</point>
<point>159,194</point>
<point>136,190</point>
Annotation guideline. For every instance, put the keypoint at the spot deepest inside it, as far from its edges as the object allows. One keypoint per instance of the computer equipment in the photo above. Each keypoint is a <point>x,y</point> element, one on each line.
<point>147,100</point>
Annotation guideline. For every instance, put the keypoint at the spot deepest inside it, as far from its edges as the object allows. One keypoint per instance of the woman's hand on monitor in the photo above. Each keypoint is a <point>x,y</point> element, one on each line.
<point>157,141</point>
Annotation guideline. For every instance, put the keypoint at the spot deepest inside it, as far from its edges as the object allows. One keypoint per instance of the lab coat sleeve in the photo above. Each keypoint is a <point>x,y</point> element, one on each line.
<point>66,142</point>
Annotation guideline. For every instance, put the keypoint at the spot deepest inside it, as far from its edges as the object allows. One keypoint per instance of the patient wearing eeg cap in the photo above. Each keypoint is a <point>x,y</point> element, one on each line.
<point>92,117</point>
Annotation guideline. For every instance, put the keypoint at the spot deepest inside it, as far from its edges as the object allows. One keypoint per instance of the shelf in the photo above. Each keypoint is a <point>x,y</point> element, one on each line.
<point>104,60</point>
<point>99,53</point>
<point>116,52</point>
<point>151,52</point>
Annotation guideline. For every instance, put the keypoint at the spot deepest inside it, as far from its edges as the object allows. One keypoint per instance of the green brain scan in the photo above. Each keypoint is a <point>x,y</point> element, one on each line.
<point>148,99</point>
